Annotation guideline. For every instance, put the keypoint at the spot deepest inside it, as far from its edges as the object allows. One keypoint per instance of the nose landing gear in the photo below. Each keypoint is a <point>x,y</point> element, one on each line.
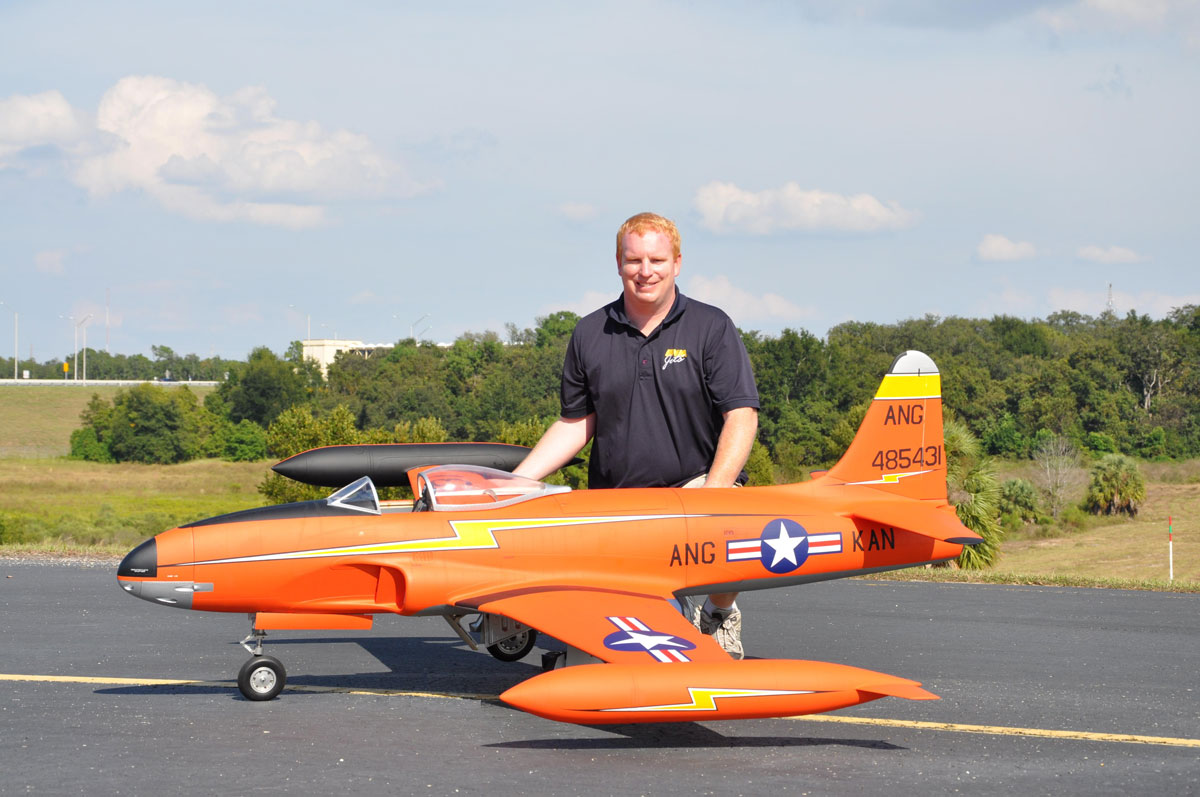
<point>262,677</point>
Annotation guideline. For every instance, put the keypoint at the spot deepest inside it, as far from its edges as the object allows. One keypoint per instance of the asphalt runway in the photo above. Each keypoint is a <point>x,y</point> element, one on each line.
<point>1044,691</point>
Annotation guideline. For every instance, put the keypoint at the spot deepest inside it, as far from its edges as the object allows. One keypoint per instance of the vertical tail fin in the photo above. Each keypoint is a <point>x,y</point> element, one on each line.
<point>899,446</point>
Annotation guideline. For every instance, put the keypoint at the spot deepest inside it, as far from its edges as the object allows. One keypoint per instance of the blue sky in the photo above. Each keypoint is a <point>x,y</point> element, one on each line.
<point>224,175</point>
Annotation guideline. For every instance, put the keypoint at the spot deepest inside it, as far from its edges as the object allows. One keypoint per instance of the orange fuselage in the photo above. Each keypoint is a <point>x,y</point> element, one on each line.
<point>660,541</point>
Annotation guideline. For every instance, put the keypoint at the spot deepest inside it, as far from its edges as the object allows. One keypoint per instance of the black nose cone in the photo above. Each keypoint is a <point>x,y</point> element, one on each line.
<point>142,561</point>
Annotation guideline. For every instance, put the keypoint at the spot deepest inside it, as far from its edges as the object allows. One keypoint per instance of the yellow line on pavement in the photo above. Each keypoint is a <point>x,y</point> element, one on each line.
<point>345,690</point>
<point>1000,730</point>
<point>994,730</point>
<point>78,679</point>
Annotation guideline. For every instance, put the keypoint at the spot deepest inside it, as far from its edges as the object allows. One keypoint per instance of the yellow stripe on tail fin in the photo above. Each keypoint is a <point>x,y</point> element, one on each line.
<point>899,446</point>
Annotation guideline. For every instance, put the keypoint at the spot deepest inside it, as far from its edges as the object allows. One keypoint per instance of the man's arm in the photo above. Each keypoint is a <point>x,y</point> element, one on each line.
<point>565,438</point>
<point>733,447</point>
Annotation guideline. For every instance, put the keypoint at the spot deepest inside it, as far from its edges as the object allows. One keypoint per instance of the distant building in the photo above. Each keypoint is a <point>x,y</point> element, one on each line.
<point>326,350</point>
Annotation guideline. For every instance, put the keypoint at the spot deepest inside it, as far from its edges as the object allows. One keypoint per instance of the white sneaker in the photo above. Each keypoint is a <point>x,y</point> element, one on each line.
<point>723,625</point>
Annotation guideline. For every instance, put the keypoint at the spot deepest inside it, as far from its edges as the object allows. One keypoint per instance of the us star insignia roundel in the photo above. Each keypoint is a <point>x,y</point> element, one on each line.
<point>783,546</point>
<point>636,635</point>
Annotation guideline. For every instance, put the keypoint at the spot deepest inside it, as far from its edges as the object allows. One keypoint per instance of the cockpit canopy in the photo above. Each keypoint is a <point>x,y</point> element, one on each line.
<point>451,488</point>
<point>454,488</point>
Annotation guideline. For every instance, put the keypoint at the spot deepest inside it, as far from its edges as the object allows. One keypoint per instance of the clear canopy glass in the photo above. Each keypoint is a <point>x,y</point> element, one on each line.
<point>455,488</point>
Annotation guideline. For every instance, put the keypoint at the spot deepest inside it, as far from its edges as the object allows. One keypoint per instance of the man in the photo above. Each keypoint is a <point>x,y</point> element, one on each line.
<point>663,386</point>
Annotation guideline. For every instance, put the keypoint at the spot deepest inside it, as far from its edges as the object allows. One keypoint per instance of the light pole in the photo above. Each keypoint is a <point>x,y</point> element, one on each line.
<point>85,348</point>
<point>81,322</point>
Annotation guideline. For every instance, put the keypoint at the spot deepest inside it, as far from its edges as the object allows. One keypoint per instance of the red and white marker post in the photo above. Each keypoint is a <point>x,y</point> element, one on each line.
<point>1170,550</point>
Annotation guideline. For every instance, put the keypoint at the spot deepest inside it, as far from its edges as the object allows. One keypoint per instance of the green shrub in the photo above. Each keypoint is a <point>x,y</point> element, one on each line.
<point>1072,517</point>
<point>1153,444</point>
<point>1101,443</point>
<point>1018,499</point>
<point>759,469</point>
<point>244,442</point>
<point>1004,438</point>
<point>1116,487</point>
<point>86,445</point>
<point>12,530</point>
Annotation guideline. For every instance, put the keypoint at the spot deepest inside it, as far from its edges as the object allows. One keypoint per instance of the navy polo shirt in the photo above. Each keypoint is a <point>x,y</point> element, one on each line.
<point>659,400</point>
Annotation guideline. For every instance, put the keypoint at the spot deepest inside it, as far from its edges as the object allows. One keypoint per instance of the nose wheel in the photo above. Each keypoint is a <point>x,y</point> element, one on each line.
<point>262,677</point>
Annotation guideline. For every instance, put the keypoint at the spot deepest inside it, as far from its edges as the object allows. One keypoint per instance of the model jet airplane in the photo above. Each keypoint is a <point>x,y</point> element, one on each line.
<point>600,570</point>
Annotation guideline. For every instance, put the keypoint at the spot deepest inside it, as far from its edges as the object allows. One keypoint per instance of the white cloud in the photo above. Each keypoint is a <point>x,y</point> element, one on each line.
<point>34,120</point>
<point>50,261</point>
<point>591,300</point>
<point>1109,254</point>
<point>743,306</point>
<point>726,208</point>
<point>204,156</point>
<point>996,247</point>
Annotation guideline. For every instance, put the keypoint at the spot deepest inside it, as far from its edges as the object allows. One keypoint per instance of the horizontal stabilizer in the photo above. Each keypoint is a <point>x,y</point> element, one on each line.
<point>896,688</point>
<point>938,522</point>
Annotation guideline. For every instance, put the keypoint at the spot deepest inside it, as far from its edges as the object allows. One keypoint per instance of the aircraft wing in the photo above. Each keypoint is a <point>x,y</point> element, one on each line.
<point>614,626</point>
<point>937,522</point>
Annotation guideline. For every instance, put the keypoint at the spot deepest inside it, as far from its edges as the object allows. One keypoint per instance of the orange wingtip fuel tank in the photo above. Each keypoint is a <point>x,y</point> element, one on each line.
<point>608,694</point>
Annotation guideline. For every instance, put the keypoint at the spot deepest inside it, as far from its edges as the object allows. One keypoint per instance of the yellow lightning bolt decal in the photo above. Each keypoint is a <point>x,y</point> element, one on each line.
<point>890,478</point>
<point>469,535</point>
<point>705,699</point>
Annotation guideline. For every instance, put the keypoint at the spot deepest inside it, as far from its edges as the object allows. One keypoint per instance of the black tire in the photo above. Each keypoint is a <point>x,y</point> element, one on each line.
<point>515,647</point>
<point>261,678</point>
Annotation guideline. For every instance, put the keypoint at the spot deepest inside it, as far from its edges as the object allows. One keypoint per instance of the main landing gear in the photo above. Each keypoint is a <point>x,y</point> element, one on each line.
<point>262,677</point>
<point>504,638</point>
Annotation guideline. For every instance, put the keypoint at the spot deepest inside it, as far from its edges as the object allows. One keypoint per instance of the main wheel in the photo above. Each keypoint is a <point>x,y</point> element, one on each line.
<point>516,647</point>
<point>261,678</point>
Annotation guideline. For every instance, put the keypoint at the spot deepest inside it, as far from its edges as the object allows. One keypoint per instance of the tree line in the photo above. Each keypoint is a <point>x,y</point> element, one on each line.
<point>163,364</point>
<point>1106,384</point>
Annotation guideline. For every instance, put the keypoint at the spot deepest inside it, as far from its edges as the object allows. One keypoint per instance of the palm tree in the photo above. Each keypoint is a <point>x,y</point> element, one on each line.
<point>975,492</point>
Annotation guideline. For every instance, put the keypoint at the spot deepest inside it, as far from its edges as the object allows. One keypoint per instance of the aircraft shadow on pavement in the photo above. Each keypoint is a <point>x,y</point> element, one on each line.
<point>419,664</point>
<point>682,735</point>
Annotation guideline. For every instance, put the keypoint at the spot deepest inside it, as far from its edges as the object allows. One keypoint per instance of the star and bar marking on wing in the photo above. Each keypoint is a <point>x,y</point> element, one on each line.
<point>783,546</point>
<point>636,635</point>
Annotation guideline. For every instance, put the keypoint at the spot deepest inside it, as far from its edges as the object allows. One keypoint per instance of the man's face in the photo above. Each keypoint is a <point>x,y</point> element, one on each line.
<point>648,268</point>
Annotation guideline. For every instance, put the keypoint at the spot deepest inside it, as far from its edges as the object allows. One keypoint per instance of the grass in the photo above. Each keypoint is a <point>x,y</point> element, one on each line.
<point>61,504</point>
<point>1112,551</point>
<point>37,420</point>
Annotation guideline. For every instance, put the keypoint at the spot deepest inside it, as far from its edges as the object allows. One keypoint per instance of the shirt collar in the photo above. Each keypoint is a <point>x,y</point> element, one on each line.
<point>616,311</point>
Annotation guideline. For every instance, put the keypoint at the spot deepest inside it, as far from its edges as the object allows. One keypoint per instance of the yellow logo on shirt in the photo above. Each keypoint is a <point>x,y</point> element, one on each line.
<point>673,356</point>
